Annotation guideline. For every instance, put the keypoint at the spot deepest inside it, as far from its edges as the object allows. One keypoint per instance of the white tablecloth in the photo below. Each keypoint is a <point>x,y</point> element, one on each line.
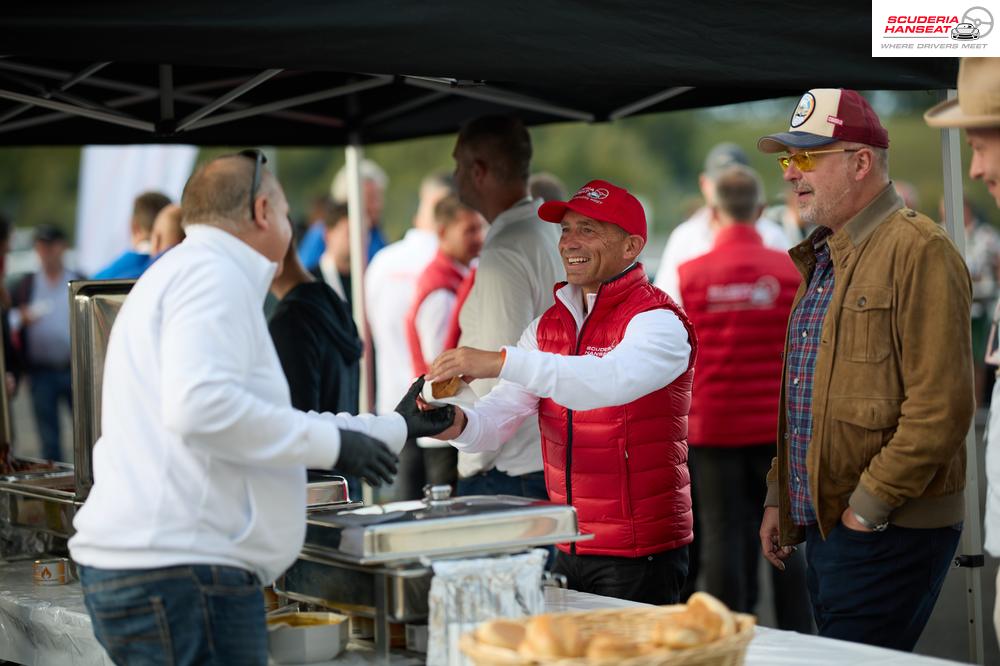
<point>49,626</point>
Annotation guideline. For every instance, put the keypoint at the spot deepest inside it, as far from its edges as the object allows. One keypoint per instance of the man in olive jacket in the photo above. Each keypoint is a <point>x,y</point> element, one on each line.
<point>877,391</point>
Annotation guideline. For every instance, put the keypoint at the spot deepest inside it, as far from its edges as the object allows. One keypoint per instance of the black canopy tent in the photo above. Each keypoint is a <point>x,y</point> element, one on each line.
<point>333,72</point>
<point>316,72</point>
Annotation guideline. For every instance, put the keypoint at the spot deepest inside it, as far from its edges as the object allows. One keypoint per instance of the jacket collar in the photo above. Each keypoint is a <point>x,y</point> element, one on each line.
<point>257,268</point>
<point>608,296</point>
<point>861,226</point>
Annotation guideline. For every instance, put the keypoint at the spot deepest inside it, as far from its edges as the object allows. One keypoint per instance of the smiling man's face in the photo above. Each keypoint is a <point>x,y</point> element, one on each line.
<point>985,166</point>
<point>593,252</point>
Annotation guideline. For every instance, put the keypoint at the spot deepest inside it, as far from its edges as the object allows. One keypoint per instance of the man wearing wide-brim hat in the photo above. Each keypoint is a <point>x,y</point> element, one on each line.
<point>977,111</point>
<point>876,394</point>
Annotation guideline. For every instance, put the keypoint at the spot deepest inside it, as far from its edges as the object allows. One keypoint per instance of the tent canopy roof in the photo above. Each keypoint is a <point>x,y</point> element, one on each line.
<point>314,72</point>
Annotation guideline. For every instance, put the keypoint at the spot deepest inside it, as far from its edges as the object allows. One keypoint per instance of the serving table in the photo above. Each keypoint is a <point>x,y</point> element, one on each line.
<point>49,626</point>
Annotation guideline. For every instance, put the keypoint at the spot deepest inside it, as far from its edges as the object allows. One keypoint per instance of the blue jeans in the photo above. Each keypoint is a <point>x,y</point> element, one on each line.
<point>495,482</point>
<point>175,616</point>
<point>877,588</point>
<point>48,387</point>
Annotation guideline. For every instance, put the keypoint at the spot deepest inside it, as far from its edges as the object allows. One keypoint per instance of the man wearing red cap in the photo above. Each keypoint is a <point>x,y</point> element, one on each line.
<point>876,395</point>
<point>607,370</point>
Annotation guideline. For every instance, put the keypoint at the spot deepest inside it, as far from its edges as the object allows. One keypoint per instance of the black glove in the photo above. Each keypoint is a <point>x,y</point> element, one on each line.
<point>423,424</point>
<point>366,457</point>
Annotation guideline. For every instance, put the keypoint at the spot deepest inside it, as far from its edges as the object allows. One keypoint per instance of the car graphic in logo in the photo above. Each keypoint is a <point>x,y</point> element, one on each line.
<point>965,31</point>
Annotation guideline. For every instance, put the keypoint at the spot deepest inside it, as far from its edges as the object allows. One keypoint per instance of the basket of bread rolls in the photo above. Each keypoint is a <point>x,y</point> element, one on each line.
<point>702,632</point>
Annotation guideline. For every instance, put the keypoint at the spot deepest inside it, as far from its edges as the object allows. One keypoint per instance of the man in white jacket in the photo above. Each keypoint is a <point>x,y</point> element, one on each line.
<point>977,110</point>
<point>200,471</point>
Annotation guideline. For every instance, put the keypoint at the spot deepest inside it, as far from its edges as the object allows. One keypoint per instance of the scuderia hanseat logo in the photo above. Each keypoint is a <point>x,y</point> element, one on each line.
<point>925,28</point>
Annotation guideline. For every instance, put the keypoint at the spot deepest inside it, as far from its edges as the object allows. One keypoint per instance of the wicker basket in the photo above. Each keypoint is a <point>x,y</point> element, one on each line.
<point>635,624</point>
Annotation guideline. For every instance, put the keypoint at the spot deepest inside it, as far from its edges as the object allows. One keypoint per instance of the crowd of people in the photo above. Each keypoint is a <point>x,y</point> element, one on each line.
<point>796,387</point>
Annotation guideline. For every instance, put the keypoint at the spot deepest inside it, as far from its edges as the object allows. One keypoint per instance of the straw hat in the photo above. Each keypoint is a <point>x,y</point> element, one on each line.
<point>978,103</point>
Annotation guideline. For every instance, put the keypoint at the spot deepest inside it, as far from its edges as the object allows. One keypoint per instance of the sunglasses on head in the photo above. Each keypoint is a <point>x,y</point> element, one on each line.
<point>806,160</point>
<point>259,159</point>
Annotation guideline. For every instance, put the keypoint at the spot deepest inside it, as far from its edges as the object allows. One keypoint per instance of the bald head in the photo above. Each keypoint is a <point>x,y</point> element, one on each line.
<point>218,192</point>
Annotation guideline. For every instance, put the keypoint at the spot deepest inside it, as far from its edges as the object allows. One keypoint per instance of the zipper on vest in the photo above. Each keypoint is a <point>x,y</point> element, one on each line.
<point>569,418</point>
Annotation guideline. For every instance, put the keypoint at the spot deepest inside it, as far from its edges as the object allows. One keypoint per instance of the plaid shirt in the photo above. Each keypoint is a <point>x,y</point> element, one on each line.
<point>803,342</point>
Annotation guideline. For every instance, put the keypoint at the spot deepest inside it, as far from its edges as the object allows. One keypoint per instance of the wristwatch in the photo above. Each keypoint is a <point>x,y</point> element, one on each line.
<point>874,527</point>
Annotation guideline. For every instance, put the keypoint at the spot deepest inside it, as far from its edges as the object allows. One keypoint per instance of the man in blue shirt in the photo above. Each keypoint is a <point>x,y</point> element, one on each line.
<point>132,262</point>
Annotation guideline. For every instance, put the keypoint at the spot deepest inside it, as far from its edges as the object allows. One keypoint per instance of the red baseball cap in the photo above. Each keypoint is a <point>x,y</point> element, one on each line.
<point>826,115</point>
<point>601,201</point>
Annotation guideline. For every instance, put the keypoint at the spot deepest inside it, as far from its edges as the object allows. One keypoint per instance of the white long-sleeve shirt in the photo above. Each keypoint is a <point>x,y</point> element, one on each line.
<point>202,459</point>
<point>518,267</point>
<point>653,352</point>
<point>694,237</point>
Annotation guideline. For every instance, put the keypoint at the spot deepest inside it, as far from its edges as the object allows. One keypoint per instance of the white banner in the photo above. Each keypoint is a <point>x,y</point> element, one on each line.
<point>110,179</point>
<point>934,28</point>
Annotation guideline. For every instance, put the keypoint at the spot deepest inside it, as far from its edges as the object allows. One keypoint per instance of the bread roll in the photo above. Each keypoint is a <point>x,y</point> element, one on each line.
<point>711,616</point>
<point>501,633</point>
<point>546,637</point>
<point>446,389</point>
<point>609,646</point>
<point>669,633</point>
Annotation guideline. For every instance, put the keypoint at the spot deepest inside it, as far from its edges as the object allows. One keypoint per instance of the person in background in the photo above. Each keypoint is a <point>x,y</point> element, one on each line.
<point>518,265</point>
<point>200,470</point>
<point>40,316</point>
<point>132,262</point>
<point>693,237</point>
<point>311,243</point>
<point>876,397</point>
<point>374,183</point>
<point>334,266</point>
<point>317,344</point>
<point>12,360</point>
<point>738,297</point>
<point>390,283</point>
<point>607,373</point>
<point>547,187</point>
<point>460,238</point>
<point>168,230</point>
<point>977,111</point>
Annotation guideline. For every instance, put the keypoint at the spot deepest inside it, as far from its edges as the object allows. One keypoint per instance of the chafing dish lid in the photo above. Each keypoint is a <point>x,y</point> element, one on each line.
<point>440,525</point>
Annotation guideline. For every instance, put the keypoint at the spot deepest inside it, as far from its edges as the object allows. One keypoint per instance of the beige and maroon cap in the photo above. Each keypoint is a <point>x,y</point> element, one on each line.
<point>826,115</point>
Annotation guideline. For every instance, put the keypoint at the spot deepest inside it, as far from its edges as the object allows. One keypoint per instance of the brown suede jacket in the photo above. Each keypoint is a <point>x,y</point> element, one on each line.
<point>892,394</point>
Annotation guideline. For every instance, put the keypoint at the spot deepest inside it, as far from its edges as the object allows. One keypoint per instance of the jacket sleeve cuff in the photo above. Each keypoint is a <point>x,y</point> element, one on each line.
<point>323,444</point>
<point>869,507</point>
<point>515,365</point>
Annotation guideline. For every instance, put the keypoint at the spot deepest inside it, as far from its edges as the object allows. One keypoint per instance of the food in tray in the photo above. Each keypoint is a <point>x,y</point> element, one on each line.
<point>447,388</point>
<point>543,638</point>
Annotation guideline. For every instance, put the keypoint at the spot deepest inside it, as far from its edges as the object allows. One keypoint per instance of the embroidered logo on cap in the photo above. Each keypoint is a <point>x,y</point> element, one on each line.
<point>804,110</point>
<point>834,120</point>
<point>593,194</point>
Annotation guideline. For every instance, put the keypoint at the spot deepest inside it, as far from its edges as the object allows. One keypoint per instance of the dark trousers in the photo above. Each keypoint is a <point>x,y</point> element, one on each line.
<point>178,616</point>
<point>730,486</point>
<point>419,467</point>
<point>495,482</point>
<point>48,387</point>
<point>877,588</point>
<point>652,579</point>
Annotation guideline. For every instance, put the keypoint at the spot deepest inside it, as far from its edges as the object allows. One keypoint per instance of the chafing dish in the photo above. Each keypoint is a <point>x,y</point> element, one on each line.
<point>376,561</point>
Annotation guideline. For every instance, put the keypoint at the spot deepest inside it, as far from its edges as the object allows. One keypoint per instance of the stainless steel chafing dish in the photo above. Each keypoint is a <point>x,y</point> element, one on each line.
<point>376,561</point>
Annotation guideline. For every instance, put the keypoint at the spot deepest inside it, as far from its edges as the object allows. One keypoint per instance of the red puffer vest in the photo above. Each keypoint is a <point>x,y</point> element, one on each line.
<point>623,468</point>
<point>738,296</point>
<point>441,273</point>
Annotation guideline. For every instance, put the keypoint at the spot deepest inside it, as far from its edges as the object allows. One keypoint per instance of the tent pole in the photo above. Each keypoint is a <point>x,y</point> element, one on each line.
<point>238,91</point>
<point>971,556</point>
<point>65,85</point>
<point>499,96</point>
<point>93,114</point>
<point>647,102</point>
<point>166,92</point>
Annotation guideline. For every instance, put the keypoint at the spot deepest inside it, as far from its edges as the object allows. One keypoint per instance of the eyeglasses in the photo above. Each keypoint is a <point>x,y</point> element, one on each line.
<point>806,160</point>
<point>259,159</point>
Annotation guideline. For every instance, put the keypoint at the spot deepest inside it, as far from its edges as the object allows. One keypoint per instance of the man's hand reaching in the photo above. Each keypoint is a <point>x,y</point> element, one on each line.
<point>419,422</point>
